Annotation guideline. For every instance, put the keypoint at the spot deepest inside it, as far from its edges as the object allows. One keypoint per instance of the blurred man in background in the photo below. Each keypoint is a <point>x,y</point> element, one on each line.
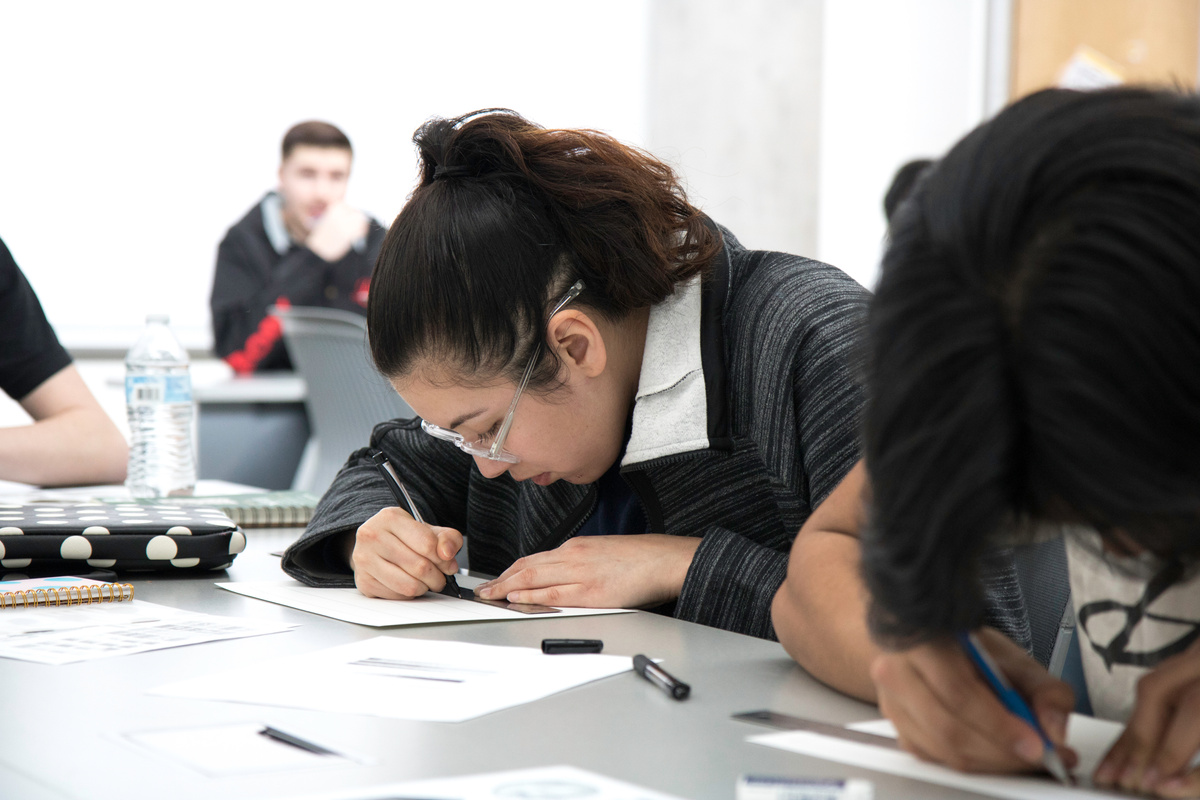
<point>301,245</point>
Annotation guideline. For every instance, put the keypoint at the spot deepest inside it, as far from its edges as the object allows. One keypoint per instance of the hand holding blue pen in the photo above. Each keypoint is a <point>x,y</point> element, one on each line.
<point>1016,704</point>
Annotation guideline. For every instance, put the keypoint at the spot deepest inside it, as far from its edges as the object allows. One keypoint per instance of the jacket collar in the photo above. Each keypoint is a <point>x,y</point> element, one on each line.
<point>681,403</point>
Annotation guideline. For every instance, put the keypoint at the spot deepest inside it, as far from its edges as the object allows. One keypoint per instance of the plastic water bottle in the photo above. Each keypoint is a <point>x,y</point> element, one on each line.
<point>158,399</point>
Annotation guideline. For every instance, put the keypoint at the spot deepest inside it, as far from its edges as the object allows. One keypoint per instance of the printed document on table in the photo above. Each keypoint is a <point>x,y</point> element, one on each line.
<point>237,748</point>
<point>1090,738</point>
<point>548,782</point>
<point>437,681</point>
<point>66,634</point>
<point>351,605</point>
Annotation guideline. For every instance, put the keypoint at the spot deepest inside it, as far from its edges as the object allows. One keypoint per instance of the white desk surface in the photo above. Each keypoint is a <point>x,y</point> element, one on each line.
<point>64,725</point>
<point>283,387</point>
<point>212,382</point>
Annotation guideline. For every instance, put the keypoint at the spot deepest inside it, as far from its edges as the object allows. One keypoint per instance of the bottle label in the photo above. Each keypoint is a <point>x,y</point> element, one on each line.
<point>149,390</point>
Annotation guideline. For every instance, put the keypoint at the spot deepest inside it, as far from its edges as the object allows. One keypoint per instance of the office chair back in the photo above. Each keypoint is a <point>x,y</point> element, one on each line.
<point>1042,573</point>
<point>346,396</point>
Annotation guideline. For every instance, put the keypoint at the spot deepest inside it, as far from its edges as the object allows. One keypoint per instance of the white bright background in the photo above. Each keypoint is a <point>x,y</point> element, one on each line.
<point>133,133</point>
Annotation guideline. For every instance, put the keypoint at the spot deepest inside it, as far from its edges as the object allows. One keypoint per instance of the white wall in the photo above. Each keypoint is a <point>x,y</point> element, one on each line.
<point>735,107</point>
<point>133,133</point>
<point>899,80</point>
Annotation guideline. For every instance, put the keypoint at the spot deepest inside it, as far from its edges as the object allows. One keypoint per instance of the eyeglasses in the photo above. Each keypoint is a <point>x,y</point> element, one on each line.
<point>495,450</point>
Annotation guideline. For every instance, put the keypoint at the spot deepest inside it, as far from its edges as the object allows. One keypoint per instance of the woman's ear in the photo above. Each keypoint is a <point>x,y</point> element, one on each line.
<point>578,342</point>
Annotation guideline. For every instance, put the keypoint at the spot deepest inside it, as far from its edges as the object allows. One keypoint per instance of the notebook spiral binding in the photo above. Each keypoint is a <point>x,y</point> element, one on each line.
<point>68,595</point>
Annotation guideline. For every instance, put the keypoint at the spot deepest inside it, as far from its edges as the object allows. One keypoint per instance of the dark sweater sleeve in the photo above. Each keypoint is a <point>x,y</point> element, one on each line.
<point>733,580</point>
<point>434,472</point>
<point>731,583</point>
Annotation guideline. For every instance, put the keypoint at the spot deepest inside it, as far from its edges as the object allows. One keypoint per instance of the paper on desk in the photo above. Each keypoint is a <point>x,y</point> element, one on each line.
<point>66,634</point>
<point>386,676</point>
<point>1090,738</point>
<point>236,749</point>
<point>351,605</point>
<point>558,781</point>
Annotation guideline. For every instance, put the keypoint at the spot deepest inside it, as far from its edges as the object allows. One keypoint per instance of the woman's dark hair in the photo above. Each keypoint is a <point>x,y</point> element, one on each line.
<point>506,216</point>
<point>1035,349</point>
<point>902,185</point>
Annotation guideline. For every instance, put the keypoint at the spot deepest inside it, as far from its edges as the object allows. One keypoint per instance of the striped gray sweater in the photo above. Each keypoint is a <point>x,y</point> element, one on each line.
<point>746,417</point>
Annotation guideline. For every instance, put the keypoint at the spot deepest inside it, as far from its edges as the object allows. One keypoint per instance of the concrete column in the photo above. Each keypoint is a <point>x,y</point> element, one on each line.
<point>734,94</point>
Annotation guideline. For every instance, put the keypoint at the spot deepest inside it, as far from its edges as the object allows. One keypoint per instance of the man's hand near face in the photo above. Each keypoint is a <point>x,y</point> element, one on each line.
<point>335,232</point>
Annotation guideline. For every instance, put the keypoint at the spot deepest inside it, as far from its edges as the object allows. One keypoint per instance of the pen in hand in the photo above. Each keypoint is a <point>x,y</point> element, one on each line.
<point>1016,704</point>
<point>404,499</point>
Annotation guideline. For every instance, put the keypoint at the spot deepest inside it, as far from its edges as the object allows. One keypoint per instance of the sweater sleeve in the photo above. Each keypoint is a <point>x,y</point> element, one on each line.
<point>731,583</point>
<point>733,579</point>
<point>435,474</point>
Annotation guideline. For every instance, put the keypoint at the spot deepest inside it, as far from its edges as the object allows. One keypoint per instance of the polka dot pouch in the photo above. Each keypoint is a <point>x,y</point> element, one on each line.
<point>121,537</point>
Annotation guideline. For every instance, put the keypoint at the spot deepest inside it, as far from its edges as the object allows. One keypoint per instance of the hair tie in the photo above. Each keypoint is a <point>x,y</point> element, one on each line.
<point>459,171</point>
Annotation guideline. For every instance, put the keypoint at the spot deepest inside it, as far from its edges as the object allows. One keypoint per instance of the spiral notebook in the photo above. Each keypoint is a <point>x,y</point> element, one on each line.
<point>277,509</point>
<point>61,591</point>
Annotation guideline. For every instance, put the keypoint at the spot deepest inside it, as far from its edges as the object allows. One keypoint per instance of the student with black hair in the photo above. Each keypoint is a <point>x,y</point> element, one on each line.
<point>902,185</point>
<point>620,405</point>
<point>1035,369</point>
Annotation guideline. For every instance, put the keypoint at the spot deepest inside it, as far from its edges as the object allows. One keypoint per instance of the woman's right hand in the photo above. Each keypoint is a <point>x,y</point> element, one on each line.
<point>944,711</point>
<point>397,558</point>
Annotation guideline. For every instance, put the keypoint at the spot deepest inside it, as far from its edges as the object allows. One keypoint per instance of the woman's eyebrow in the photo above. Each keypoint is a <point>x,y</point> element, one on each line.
<point>465,417</point>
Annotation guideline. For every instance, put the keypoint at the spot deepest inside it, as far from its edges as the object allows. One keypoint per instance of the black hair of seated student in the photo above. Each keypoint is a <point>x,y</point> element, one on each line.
<point>507,215</point>
<point>903,182</point>
<point>1035,348</point>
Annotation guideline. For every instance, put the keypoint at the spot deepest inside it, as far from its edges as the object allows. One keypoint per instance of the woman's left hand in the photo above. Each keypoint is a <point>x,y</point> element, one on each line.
<point>633,571</point>
<point>1162,736</point>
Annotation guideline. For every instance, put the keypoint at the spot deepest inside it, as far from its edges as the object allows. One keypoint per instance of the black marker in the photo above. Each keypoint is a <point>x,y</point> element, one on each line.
<point>404,499</point>
<point>556,646</point>
<point>294,741</point>
<point>660,677</point>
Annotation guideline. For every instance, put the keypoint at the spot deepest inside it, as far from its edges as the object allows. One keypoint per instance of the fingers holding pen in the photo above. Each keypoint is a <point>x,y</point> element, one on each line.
<point>924,693</point>
<point>397,557</point>
<point>944,712</point>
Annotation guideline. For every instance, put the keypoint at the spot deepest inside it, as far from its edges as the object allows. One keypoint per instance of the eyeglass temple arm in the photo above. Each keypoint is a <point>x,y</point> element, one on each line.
<point>498,443</point>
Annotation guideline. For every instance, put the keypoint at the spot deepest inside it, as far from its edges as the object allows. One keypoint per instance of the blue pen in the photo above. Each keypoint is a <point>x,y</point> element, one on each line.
<point>1013,701</point>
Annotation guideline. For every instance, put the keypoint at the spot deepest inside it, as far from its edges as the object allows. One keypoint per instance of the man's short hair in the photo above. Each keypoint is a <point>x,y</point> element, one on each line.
<point>314,133</point>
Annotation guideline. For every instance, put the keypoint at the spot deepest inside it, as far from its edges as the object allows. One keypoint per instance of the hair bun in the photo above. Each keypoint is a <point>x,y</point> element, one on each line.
<point>457,171</point>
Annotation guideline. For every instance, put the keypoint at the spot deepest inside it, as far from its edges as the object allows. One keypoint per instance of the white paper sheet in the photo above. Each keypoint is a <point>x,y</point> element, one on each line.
<point>404,678</point>
<point>64,635</point>
<point>351,605</point>
<point>1090,738</point>
<point>237,749</point>
<point>546,782</point>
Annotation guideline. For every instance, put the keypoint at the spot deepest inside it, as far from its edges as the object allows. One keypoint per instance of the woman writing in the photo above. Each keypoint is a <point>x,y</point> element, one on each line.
<point>1035,343</point>
<point>620,406</point>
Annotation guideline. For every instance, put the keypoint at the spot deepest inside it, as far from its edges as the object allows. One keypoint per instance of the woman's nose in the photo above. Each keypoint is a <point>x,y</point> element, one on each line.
<point>491,469</point>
